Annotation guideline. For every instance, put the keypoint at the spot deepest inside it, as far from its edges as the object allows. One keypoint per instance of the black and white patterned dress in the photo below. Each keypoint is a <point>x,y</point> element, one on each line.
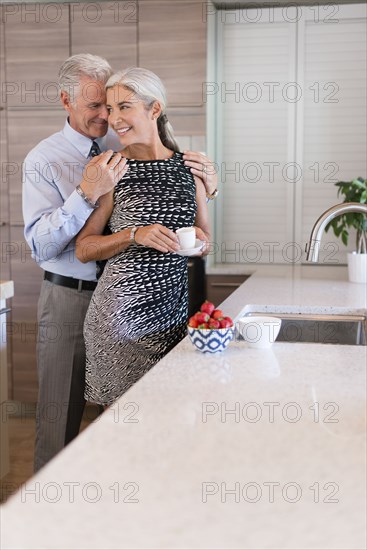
<point>138,311</point>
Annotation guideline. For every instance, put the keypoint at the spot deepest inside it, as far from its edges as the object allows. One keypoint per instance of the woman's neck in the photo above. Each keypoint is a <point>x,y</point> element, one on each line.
<point>141,151</point>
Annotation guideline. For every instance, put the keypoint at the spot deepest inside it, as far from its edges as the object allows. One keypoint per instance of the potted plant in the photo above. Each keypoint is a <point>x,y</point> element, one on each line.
<point>353,191</point>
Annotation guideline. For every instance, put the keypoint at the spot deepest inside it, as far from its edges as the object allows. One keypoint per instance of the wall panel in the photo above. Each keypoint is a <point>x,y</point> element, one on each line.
<point>106,29</point>
<point>37,42</point>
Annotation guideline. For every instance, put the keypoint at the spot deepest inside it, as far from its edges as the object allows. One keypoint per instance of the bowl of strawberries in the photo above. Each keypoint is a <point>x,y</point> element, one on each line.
<point>209,329</point>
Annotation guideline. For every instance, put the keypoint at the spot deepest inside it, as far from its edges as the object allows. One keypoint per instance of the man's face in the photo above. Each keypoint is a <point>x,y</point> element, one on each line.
<point>88,114</point>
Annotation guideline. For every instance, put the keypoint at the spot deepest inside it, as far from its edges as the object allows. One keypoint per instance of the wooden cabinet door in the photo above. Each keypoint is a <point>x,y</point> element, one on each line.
<point>106,29</point>
<point>219,287</point>
<point>37,42</point>
<point>172,43</point>
<point>22,325</point>
<point>26,129</point>
<point>5,166</point>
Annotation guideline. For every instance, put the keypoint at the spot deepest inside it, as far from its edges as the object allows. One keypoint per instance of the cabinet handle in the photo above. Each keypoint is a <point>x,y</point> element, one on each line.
<point>235,285</point>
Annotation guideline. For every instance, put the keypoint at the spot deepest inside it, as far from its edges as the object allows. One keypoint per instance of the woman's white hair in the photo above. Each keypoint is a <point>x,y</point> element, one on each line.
<point>79,65</point>
<point>147,87</point>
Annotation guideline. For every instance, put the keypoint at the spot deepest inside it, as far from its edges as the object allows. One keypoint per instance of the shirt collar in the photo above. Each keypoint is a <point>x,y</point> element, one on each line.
<point>82,143</point>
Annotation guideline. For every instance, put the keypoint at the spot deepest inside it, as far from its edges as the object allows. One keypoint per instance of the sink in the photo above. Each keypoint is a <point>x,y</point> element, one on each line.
<point>318,328</point>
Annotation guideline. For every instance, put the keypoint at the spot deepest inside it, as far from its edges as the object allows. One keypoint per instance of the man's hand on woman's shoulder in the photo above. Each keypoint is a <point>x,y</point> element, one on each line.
<point>204,168</point>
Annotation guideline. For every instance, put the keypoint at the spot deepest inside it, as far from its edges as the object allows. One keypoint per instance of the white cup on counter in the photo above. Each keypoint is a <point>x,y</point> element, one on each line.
<point>260,331</point>
<point>186,237</point>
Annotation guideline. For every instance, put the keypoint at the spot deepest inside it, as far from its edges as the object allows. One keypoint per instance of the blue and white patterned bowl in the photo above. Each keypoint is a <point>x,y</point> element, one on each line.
<point>211,340</point>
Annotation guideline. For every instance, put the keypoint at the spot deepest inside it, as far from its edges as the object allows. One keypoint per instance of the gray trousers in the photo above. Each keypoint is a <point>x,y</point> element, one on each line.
<point>61,368</point>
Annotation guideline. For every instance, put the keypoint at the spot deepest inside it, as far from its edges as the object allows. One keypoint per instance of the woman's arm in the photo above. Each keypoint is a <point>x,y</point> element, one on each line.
<point>202,215</point>
<point>91,244</point>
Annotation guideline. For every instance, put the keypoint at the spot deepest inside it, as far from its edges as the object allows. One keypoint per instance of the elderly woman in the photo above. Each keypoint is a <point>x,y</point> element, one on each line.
<point>138,311</point>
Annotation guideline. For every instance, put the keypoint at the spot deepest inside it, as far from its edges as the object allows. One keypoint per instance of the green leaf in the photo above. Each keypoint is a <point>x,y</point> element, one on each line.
<point>345,237</point>
<point>359,184</point>
<point>351,191</point>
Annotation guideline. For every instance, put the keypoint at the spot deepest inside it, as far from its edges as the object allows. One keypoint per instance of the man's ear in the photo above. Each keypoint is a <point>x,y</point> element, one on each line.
<point>156,110</point>
<point>65,100</point>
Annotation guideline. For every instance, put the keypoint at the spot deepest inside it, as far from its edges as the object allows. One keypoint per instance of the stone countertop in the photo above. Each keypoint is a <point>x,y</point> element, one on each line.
<point>306,270</point>
<point>247,449</point>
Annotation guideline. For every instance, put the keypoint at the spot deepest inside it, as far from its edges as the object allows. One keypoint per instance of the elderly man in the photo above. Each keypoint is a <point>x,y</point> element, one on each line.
<point>62,183</point>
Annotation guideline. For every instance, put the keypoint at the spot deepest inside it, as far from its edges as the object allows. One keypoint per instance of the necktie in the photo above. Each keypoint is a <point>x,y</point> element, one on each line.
<point>94,150</point>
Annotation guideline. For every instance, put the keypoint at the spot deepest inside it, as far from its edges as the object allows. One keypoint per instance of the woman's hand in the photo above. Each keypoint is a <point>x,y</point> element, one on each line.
<point>157,236</point>
<point>202,236</point>
<point>203,168</point>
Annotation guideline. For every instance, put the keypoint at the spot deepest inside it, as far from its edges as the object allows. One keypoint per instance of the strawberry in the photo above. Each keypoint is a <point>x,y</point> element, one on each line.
<point>201,317</point>
<point>225,323</point>
<point>207,307</point>
<point>193,322</point>
<point>229,319</point>
<point>203,325</point>
<point>213,323</point>
<point>217,313</point>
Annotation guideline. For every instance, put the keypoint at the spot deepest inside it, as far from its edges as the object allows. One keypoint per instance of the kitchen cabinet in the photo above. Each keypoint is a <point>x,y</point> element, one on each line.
<point>290,123</point>
<point>5,168</point>
<point>4,207</point>
<point>25,130</point>
<point>92,23</point>
<point>23,326</point>
<point>219,287</point>
<point>172,43</point>
<point>32,62</point>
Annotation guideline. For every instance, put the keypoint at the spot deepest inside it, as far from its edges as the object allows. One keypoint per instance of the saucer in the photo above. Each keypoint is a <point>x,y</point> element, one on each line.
<point>192,251</point>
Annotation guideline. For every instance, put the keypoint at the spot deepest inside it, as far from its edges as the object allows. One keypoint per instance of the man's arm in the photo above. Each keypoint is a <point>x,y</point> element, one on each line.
<point>50,222</point>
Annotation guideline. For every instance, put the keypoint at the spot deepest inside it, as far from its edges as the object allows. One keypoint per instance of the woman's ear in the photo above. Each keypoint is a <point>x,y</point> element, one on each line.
<point>156,110</point>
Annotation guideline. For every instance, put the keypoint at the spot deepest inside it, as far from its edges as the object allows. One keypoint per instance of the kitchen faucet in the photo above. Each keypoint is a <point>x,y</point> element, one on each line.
<point>313,246</point>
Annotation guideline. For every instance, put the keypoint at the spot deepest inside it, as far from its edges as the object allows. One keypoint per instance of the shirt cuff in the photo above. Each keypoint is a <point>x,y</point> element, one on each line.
<point>77,206</point>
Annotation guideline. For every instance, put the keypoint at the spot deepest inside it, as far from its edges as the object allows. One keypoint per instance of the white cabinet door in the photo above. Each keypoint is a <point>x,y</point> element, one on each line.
<point>333,63</point>
<point>290,109</point>
<point>255,109</point>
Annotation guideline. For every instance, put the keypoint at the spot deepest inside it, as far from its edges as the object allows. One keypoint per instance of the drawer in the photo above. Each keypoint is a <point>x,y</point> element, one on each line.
<point>219,287</point>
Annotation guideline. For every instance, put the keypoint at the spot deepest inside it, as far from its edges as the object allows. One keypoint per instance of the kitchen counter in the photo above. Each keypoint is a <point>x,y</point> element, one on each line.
<point>247,449</point>
<point>6,292</point>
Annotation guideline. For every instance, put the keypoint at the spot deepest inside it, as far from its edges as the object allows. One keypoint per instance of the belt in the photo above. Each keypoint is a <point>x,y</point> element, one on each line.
<point>69,281</point>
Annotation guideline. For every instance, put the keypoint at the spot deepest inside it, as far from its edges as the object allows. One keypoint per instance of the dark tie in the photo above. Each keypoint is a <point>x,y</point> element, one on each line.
<point>94,150</point>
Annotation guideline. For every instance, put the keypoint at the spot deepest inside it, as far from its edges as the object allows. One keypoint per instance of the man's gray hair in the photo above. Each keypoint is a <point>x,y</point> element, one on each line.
<point>77,66</point>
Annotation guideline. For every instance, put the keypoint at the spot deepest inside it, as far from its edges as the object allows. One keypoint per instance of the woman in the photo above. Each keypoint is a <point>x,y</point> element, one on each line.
<point>138,311</point>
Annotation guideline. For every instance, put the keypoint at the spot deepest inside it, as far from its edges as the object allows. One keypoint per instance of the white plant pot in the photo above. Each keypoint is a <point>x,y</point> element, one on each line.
<point>357,267</point>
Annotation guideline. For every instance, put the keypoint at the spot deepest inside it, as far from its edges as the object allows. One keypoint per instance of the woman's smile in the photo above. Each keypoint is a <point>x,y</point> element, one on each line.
<point>122,131</point>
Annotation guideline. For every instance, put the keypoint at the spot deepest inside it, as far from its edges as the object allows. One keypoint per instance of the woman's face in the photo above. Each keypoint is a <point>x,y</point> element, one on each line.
<point>128,116</point>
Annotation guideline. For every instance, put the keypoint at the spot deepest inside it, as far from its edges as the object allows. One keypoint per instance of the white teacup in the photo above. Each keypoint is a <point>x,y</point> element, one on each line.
<point>259,332</point>
<point>186,237</point>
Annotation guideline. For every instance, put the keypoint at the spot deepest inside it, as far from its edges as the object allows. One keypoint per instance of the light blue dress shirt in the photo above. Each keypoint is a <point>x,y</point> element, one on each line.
<point>53,211</point>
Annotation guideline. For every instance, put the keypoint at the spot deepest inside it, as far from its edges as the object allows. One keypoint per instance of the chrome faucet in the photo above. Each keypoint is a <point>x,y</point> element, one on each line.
<point>313,246</point>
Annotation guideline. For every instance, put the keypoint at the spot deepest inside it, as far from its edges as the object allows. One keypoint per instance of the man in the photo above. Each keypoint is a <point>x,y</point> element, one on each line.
<point>62,183</point>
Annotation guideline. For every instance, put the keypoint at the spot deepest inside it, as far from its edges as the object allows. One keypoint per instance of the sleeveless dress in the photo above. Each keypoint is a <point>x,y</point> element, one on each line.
<point>138,311</point>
